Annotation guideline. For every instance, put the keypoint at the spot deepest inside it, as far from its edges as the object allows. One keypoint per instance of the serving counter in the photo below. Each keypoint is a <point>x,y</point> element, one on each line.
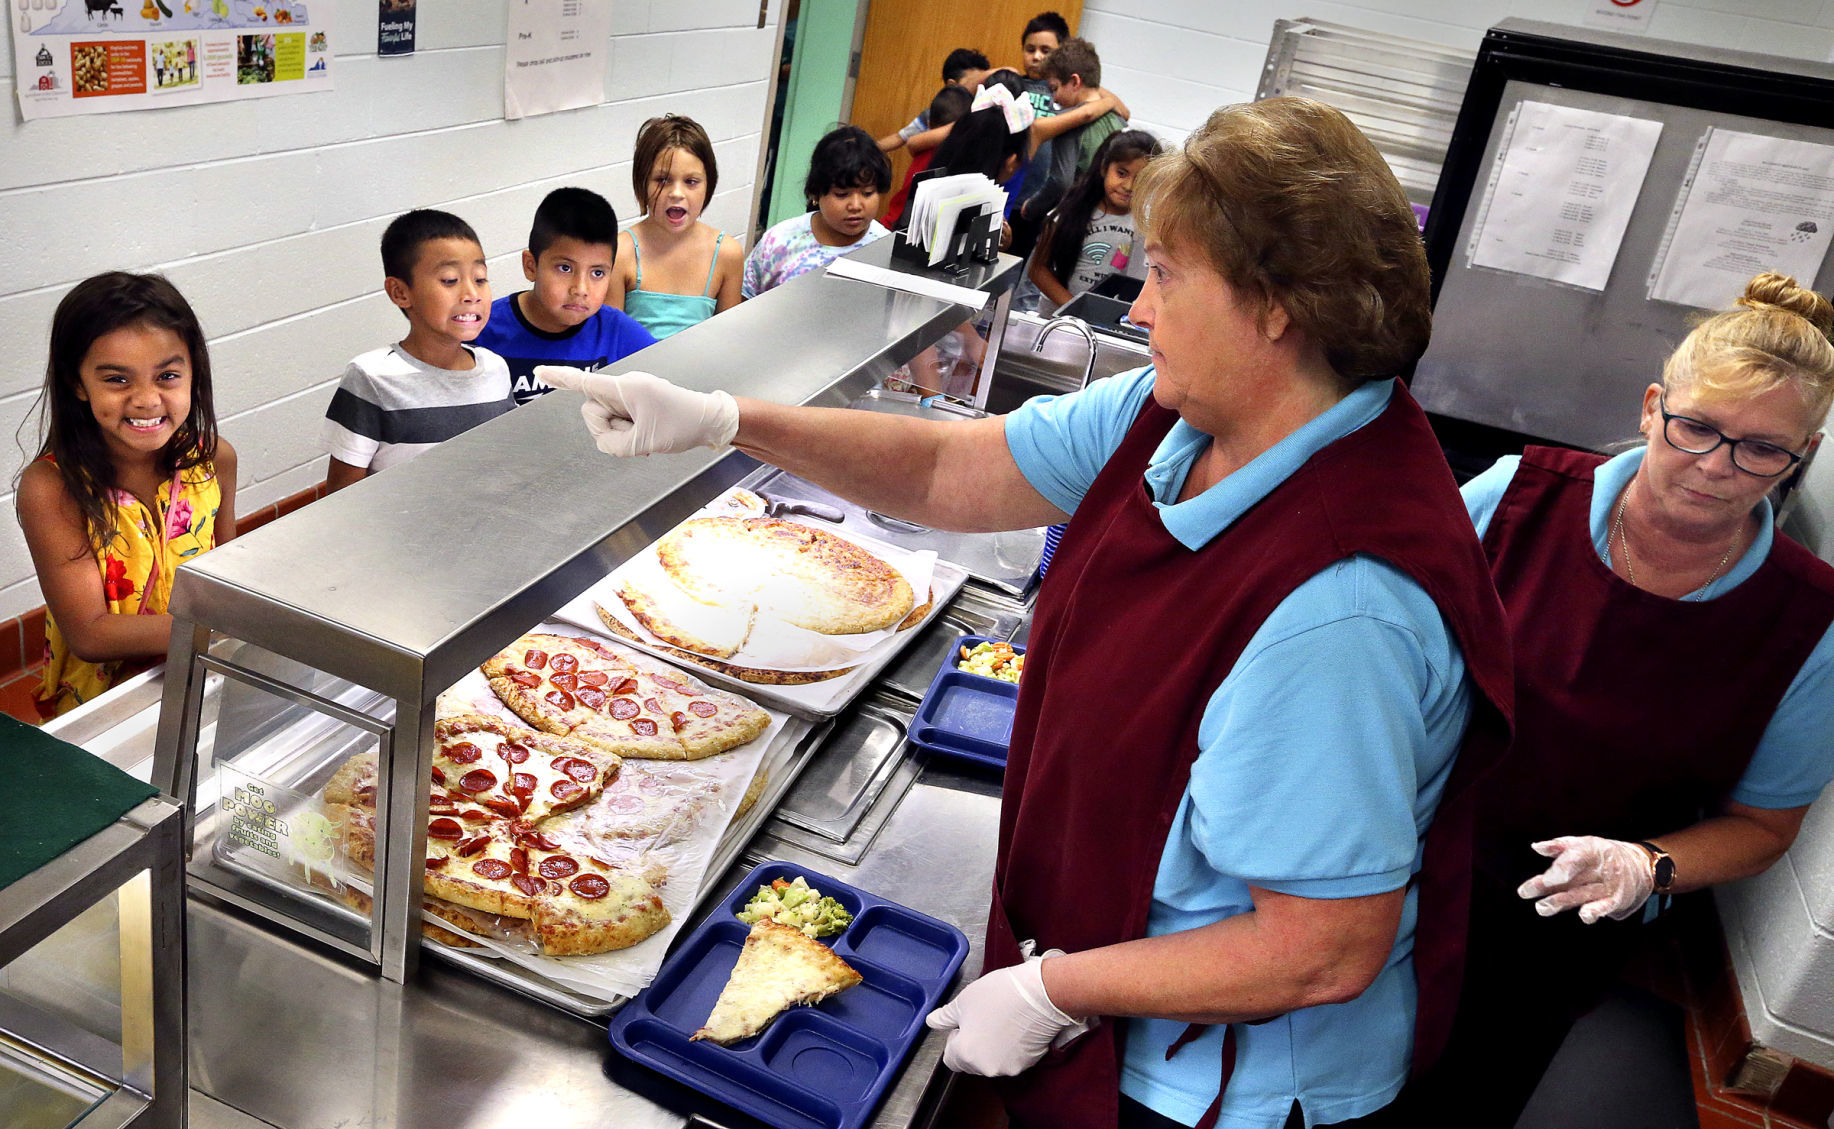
<point>335,631</point>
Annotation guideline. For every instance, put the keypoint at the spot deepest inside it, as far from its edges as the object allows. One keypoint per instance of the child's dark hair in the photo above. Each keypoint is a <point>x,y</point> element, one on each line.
<point>980,143</point>
<point>961,61</point>
<point>1011,79</point>
<point>93,309</point>
<point>409,231</point>
<point>1073,57</point>
<point>1061,241</point>
<point>950,105</point>
<point>1046,21</point>
<point>658,136</point>
<point>572,213</point>
<point>846,157</point>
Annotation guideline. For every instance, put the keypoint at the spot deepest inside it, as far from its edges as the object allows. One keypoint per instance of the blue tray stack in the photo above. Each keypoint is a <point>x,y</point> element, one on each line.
<point>967,716</point>
<point>822,1067</point>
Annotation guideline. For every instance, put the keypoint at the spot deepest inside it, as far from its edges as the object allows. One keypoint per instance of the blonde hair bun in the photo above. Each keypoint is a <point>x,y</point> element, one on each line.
<point>1781,292</point>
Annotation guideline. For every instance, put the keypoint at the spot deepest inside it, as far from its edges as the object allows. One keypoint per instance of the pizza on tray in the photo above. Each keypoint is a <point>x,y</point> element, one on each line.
<point>716,578</point>
<point>808,577</point>
<point>778,967</point>
<point>578,688</point>
<point>487,852</point>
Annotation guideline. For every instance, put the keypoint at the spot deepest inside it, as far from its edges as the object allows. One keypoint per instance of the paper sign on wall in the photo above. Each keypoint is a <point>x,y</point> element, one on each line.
<point>1562,192</point>
<point>1750,203</point>
<point>558,52</point>
<point>1620,15</point>
<point>100,56</point>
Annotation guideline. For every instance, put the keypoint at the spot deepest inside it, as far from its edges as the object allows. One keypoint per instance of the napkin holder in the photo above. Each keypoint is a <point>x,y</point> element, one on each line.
<point>976,237</point>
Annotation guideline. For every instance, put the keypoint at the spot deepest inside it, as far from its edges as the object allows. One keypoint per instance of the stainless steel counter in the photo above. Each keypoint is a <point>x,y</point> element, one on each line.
<point>299,1037</point>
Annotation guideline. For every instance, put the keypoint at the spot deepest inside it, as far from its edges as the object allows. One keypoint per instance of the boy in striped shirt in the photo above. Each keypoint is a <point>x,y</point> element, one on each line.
<point>399,400</point>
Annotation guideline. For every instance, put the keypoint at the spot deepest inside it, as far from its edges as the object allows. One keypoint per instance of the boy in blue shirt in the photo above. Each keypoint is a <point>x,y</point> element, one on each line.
<point>563,318</point>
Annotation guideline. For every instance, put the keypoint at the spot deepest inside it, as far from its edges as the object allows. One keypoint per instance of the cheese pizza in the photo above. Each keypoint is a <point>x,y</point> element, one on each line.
<point>778,967</point>
<point>808,577</point>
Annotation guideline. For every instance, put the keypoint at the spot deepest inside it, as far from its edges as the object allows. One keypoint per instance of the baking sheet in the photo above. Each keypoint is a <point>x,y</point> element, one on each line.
<point>684,845</point>
<point>772,644</point>
<point>814,700</point>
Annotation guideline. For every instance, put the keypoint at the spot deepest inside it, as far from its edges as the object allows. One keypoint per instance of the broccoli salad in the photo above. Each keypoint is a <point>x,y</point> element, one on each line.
<point>797,905</point>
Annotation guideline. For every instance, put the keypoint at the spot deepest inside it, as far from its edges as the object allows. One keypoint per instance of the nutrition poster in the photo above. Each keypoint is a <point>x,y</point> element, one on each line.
<point>99,56</point>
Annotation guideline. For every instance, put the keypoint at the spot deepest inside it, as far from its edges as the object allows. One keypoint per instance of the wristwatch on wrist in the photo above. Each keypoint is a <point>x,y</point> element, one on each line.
<point>1661,867</point>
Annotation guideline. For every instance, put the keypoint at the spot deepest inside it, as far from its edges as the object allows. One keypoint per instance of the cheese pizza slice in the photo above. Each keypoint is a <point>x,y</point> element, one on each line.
<point>680,620</point>
<point>778,968</point>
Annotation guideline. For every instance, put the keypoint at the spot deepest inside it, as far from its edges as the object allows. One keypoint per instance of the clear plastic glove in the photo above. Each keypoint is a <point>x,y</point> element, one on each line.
<point>1004,1022</point>
<point>1603,877</point>
<point>634,413</point>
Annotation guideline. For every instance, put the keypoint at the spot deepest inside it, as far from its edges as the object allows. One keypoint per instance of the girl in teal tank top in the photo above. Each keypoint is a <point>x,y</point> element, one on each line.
<point>665,315</point>
<point>674,173</point>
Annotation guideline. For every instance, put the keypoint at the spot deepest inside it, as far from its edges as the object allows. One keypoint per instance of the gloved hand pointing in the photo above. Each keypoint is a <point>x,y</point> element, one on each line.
<point>1004,1022</point>
<point>634,413</point>
<point>1603,877</point>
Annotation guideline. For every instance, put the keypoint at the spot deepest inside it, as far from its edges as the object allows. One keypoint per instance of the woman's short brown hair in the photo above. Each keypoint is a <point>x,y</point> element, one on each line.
<point>1292,205</point>
<point>656,137</point>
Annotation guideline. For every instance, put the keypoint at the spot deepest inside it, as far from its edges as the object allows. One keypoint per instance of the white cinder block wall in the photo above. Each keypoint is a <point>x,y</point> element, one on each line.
<point>267,213</point>
<point>1173,61</point>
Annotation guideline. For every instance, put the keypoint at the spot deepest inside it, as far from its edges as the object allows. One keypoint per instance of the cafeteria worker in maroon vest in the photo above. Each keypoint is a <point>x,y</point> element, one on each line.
<point>1252,664</point>
<point>1674,686</point>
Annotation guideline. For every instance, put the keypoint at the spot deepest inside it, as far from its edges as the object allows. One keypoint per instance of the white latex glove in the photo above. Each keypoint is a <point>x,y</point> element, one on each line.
<point>1603,877</point>
<point>1004,1022</point>
<point>634,413</point>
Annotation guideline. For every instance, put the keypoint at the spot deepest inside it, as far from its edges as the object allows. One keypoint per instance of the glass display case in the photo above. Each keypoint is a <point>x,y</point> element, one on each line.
<point>92,981</point>
<point>333,633</point>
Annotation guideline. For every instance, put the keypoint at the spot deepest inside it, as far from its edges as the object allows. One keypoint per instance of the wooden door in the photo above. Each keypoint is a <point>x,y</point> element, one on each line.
<point>907,40</point>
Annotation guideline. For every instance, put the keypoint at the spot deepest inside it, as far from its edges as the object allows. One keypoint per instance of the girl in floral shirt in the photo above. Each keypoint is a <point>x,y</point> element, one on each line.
<point>130,481</point>
<point>847,175</point>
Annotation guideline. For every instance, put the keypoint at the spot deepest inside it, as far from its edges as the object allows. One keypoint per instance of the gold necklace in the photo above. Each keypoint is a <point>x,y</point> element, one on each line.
<point>1630,569</point>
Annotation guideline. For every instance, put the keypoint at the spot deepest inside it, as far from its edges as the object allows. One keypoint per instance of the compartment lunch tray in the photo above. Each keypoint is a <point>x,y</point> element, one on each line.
<point>967,716</point>
<point>822,1067</point>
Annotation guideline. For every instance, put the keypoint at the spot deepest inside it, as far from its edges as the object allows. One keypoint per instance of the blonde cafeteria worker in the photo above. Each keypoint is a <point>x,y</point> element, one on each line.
<point>1259,648</point>
<point>1675,681</point>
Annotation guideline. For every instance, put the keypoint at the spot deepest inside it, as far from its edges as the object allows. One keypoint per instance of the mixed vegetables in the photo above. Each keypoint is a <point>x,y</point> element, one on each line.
<point>993,660</point>
<point>797,905</point>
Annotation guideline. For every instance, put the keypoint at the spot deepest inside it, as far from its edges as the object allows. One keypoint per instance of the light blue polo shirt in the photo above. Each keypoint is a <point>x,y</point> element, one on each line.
<point>1795,757</point>
<point>1324,752</point>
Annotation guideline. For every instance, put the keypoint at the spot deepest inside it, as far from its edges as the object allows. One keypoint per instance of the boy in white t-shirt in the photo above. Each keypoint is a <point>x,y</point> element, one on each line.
<point>397,401</point>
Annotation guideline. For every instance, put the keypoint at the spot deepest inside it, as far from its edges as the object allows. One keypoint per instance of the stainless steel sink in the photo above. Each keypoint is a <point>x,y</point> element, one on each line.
<point>1020,374</point>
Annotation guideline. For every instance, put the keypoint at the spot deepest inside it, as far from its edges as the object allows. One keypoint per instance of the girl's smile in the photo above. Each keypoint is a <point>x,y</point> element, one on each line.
<point>137,383</point>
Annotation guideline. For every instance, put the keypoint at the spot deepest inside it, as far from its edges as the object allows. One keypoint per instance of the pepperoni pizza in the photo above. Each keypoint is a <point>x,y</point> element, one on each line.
<point>494,787</point>
<point>582,689</point>
<point>516,773</point>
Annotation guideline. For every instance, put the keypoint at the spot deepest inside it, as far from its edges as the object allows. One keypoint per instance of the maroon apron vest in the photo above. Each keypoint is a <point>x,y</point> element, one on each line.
<point>1133,633</point>
<point>1635,713</point>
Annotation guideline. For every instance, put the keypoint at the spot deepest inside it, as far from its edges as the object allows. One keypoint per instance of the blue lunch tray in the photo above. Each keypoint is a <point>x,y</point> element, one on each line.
<point>822,1067</point>
<point>967,716</point>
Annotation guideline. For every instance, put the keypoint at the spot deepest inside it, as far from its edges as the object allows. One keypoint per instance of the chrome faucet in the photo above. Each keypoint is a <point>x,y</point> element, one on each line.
<point>1066,321</point>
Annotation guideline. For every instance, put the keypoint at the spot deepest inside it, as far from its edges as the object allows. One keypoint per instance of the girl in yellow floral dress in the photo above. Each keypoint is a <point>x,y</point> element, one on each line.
<point>131,481</point>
